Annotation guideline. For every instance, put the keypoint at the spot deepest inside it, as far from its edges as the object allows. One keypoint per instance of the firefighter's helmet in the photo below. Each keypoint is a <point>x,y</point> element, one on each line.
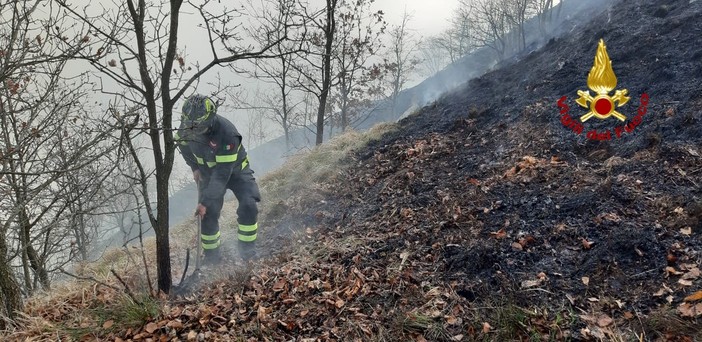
<point>198,114</point>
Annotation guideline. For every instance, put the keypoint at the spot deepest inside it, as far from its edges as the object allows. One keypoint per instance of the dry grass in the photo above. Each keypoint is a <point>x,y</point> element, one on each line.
<point>666,321</point>
<point>76,307</point>
<point>317,165</point>
<point>300,177</point>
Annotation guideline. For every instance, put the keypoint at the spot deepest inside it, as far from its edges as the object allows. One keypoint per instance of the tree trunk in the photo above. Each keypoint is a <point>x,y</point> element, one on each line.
<point>163,248</point>
<point>32,256</point>
<point>163,154</point>
<point>326,78</point>
<point>330,133</point>
<point>286,129</point>
<point>78,222</point>
<point>38,266</point>
<point>284,97</point>
<point>10,296</point>
<point>27,275</point>
<point>320,117</point>
<point>395,90</point>
<point>344,108</point>
<point>163,172</point>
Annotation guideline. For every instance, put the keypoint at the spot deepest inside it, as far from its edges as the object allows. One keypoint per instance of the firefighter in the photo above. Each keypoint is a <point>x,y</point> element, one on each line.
<point>212,147</point>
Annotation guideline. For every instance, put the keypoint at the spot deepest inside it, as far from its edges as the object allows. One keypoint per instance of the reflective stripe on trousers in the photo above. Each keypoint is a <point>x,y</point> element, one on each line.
<point>210,241</point>
<point>247,232</point>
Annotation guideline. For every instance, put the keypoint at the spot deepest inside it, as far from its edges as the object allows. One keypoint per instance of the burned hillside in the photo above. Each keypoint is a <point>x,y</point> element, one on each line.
<point>482,217</point>
<point>487,191</point>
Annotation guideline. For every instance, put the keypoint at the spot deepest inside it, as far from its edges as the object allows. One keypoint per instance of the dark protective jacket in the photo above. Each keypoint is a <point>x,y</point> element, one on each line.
<point>217,155</point>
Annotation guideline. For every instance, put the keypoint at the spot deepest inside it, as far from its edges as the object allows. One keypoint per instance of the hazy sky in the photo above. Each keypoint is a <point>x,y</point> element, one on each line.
<point>429,17</point>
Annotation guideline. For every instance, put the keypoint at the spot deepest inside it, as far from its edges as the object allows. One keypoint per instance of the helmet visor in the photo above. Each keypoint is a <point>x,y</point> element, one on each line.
<point>192,129</point>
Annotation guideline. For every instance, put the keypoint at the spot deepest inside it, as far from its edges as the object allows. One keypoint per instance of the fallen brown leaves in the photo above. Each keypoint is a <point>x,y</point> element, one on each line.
<point>527,167</point>
<point>694,297</point>
<point>500,234</point>
<point>412,246</point>
<point>690,310</point>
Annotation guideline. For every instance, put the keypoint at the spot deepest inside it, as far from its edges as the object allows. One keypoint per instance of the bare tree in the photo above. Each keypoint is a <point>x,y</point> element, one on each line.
<point>459,39</point>
<point>359,30</point>
<point>124,206</point>
<point>542,9</point>
<point>344,35</point>
<point>46,136</point>
<point>491,24</point>
<point>315,63</point>
<point>85,194</point>
<point>516,12</point>
<point>53,153</point>
<point>135,45</point>
<point>280,103</point>
<point>500,24</point>
<point>255,128</point>
<point>402,60</point>
<point>119,210</point>
<point>266,106</point>
<point>128,210</point>
<point>434,56</point>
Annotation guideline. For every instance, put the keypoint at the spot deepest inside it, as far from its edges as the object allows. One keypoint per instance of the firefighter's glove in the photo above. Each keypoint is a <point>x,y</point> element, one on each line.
<point>197,177</point>
<point>201,210</point>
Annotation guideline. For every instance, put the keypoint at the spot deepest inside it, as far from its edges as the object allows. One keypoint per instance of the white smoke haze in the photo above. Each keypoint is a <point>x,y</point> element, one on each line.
<point>420,91</point>
<point>267,150</point>
<point>194,48</point>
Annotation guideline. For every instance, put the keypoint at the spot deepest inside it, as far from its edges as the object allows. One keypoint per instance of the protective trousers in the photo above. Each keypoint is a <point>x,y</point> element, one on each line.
<point>244,186</point>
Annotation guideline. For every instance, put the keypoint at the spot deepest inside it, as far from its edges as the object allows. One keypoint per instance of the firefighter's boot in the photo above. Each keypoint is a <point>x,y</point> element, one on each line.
<point>247,234</point>
<point>212,257</point>
<point>247,250</point>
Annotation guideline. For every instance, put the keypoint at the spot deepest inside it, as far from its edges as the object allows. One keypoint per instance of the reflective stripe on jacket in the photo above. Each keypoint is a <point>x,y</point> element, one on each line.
<point>217,155</point>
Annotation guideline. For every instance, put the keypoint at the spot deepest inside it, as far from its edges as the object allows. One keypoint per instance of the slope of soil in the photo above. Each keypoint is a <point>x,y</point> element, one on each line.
<point>483,218</point>
<point>487,195</point>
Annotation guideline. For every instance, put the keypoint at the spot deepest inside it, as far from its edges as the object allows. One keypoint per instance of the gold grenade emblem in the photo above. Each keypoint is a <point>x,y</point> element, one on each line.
<point>602,81</point>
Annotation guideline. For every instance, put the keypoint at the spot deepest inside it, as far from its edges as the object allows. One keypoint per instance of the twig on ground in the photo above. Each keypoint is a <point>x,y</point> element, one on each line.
<point>126,287</point>
<point>538,289</point>
<point>642,273</point>
<point>143,259</point>
<point>187,262</point>
<point>87,278</point>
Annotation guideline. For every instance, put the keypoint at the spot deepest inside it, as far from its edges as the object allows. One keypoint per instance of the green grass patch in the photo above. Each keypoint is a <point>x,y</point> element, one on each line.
<point>126,313</point>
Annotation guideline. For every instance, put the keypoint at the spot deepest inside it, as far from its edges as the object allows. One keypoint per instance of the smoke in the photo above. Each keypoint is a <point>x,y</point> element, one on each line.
<point>566,17</point>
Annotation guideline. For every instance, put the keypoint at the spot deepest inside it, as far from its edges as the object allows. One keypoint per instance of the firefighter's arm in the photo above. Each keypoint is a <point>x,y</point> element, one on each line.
<point>188,156</point>
<point>217,184</point>
<point>186,152</point>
